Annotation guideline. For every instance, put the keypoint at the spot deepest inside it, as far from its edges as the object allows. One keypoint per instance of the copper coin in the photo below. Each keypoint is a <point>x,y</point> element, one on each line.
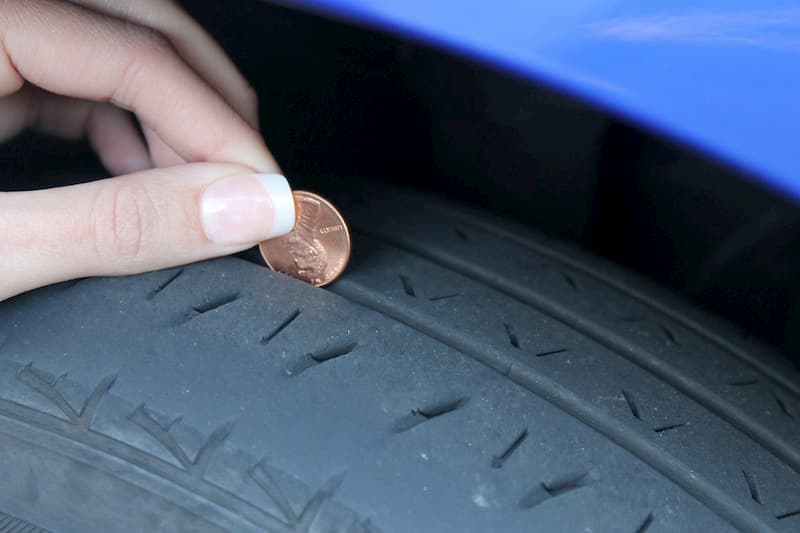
<point>317,249</point>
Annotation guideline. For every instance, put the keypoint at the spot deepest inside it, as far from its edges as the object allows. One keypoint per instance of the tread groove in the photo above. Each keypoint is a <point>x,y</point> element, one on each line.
<point>632,405</point>
<point>29,376</point>
<point>314,506</point>
<point>544,491</point>
<point>563,486</point>
<point>646,450</point>
<point>87,412</point>
<point>323,355</point>
<point>734,351</point>
<point>790,514</point>
<point>646,523</point>
<point>499,460</point>
<point>407,286</point>
<point>282,326</point>
<point>155,292</point>
<point>551,352</point>
<point>141,418</point>
<point>197,467</point>
<point>209,448</point>
<point>512,335</point>
<point>420,415</point>
<point>670,427</point>
<point>271,488</point>
<point>443,297</point>
<point>326,354</point>
<point>751,485</point>
<point>216,303</point>
<point>440,409</point>
<point>782,406</point>
<point>743,382</point>
<point>671,338</point>
<point>623,348</point>
<point>462,235</point>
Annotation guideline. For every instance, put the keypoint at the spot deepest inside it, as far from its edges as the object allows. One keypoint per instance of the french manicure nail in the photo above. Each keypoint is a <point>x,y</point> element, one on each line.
<point>245,209</point>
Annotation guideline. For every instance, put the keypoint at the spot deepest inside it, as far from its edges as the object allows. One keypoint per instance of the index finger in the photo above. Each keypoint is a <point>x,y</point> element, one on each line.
<point>69,50</point>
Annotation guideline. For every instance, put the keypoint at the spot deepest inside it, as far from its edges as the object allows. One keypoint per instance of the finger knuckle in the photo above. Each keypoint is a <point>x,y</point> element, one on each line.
<point>124,223</point>
<point>147,42</point>
<point>148,52</point>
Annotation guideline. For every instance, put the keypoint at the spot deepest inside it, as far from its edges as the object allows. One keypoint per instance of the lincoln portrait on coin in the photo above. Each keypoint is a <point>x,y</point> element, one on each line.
<point>307,253</point>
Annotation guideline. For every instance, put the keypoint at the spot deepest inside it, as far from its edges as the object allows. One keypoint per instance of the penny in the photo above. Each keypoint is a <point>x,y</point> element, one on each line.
<point>317,249</point>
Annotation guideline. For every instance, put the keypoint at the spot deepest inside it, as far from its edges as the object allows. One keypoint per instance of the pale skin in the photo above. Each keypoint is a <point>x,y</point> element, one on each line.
<point>85,68</point>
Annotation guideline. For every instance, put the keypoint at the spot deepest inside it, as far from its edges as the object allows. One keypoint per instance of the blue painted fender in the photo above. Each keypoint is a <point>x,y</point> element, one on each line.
<point>720,75</point>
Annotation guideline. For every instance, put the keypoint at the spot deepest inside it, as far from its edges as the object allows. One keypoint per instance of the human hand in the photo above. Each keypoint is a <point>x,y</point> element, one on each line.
<point>71,69</point>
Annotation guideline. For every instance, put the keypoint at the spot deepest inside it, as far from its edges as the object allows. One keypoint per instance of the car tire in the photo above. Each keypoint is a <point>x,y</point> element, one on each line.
<point>464,374</point>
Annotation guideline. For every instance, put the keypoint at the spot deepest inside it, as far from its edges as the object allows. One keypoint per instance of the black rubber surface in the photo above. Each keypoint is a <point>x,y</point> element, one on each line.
<point>463,375</point>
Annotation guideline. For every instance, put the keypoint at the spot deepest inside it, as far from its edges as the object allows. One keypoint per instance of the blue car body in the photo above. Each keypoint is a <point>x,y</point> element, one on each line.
<point>719,75</point>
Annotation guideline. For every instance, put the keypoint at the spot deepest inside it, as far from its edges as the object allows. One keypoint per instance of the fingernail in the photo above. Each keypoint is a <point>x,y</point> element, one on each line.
<point>245,209</point>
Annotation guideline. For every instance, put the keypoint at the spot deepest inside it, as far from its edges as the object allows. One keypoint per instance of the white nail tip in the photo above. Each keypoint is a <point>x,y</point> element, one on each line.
<point>283,216</point>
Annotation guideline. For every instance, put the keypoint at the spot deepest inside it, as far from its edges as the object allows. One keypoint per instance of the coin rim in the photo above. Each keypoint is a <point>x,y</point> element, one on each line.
<point>347,235</point>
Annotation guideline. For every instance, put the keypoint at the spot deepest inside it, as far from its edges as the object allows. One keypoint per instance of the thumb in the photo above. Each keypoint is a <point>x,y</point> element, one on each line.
<point>144,221</point>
